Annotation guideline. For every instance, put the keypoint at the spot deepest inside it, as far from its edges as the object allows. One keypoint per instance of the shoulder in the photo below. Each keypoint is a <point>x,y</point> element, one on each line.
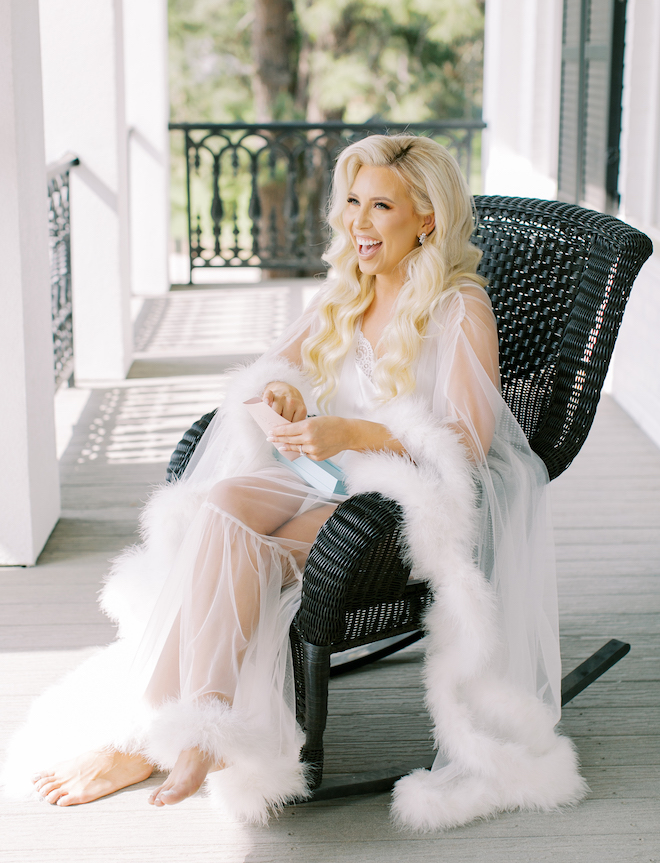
<point>470,294</point>
<point>465,302</point>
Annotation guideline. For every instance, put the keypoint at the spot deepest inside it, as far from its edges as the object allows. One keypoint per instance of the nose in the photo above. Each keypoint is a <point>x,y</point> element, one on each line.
<point>362,219</point>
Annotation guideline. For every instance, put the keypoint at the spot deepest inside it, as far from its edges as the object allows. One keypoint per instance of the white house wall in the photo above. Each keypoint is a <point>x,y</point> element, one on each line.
<point>635,377</point>
<point>84,113</point>
<point>522,86</point>
<point>106,101</point>
<point>29,483</point>
<point>147,114</point>
<point>522,81</point>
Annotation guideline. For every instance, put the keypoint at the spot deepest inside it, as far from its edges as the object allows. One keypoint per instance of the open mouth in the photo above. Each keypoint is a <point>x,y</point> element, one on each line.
<point>367,247</point>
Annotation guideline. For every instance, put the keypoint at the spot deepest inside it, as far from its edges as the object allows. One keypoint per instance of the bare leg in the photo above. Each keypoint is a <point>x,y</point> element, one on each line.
<point>90,776</point>
<point>193,765</point>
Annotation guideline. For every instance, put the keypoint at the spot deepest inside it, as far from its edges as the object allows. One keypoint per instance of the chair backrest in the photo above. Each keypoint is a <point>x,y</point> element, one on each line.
<point>559,279</point>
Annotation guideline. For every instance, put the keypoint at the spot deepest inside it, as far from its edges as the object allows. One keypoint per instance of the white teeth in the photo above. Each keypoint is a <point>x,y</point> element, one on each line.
<point>367,241</point>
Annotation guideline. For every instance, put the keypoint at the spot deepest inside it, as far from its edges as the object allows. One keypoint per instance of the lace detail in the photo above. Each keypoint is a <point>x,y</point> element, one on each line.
<point>364,356</point>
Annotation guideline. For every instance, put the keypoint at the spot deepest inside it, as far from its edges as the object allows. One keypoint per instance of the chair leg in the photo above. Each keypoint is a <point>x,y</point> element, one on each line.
<point>592,668</point>
<point>317,668</point>
<point>317,675</point>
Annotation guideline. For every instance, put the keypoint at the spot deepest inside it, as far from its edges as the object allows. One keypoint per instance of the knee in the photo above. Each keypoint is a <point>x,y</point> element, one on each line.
<point>228,496</point>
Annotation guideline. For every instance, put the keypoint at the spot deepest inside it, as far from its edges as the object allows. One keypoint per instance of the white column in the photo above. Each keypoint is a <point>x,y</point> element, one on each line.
<point>147,114</point>
<point>522,83</point>
<point>29,481</point>
<point>85,114</point>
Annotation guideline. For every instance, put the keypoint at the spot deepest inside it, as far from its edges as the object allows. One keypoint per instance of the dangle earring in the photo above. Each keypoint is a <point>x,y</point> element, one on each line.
<point>421,239</point>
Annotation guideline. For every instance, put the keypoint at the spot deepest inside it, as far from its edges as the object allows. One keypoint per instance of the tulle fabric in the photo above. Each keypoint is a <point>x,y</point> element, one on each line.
<point>221,646</point>
<point>218,628</point>
<point>457,376</point>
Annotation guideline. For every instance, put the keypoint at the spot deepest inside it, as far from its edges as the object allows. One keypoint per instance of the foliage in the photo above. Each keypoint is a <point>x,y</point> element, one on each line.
<point>403,60</point>
<point>352,60</point>
<point>210,60</point>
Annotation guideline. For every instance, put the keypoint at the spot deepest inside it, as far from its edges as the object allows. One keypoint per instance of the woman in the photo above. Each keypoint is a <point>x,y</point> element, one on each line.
<point>397,362</point>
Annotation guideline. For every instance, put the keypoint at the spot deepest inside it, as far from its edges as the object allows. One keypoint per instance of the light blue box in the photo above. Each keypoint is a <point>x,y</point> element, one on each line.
<point>323,475</point>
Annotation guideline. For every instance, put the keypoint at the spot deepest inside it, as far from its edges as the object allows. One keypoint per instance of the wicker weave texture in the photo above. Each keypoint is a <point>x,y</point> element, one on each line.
<point>356,556</point>
<point>559,279</point>
<point>186,447</point>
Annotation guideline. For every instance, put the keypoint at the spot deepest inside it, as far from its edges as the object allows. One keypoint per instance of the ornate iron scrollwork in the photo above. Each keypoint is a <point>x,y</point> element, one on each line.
<point>257,194</point>
<point>59,244</point>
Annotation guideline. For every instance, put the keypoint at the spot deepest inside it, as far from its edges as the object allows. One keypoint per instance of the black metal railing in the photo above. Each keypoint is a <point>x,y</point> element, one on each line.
<point>256,194</point>
<point>59,243</point>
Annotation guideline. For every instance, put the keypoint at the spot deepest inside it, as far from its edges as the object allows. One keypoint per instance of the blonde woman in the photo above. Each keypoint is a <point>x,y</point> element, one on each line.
<point>393,374</point>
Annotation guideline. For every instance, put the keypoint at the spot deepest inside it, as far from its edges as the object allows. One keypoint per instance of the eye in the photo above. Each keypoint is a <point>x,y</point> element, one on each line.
<point>382,205</point>
<point>351,200</point>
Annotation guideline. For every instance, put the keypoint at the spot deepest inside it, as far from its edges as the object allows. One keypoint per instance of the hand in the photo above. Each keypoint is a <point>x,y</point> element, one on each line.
<point>286,400</point>
<point>316,437</point>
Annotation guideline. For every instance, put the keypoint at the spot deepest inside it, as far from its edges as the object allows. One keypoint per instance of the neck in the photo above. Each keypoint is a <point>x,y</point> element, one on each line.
<point>387,287</point>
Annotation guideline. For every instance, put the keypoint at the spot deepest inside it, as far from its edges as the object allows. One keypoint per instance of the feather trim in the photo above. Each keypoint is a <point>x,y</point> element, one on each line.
<point>501,746</point>
<point>256,779</point>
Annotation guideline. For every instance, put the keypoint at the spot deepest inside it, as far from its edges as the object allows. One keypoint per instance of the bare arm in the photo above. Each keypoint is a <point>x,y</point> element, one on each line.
<point>325,436</point>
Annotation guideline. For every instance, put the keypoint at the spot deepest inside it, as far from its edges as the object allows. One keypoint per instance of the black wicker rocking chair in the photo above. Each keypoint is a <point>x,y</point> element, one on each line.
<point>559,278</point>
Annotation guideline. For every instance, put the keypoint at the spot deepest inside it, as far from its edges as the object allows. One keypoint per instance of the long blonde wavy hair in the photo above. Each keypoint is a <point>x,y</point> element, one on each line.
<point>436,186</point>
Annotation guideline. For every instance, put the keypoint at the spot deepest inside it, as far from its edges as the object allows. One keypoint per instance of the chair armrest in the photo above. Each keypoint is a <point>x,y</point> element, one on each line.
<point>356,562</point>
<point>186,447</point>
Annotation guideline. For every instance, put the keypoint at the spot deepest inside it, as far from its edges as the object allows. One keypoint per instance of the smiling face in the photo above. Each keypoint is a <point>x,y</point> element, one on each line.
<point>381,221</point>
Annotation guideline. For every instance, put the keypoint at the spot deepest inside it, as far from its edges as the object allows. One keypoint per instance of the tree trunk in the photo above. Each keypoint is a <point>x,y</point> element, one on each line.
<point>273,48</point>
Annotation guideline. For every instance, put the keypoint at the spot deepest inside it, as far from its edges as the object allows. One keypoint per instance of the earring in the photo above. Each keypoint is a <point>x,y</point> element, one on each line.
<point>421,239</point>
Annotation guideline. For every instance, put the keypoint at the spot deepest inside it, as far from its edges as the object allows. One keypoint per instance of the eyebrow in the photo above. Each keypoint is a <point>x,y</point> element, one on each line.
<point>377,198</point>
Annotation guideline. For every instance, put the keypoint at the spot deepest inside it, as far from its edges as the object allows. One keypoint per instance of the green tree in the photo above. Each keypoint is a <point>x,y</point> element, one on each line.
<point>404,60</point>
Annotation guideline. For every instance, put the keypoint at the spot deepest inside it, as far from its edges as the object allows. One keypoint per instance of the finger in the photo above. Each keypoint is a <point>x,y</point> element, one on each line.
<point>285,441</point>
<point>281,433</point>
<point>295,410</point>
<point>268,397</point>
<point>291,428</point>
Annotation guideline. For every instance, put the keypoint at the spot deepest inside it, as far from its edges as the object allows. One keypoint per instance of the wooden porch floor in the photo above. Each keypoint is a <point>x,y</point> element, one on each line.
<point>607,521</point>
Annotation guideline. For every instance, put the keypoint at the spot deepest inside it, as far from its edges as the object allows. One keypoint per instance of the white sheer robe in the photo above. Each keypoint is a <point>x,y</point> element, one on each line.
<point>212,625</point>
<point>234,588</point>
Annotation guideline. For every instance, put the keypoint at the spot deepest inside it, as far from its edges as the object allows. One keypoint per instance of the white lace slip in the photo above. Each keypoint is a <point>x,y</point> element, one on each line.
<point>364,356</point>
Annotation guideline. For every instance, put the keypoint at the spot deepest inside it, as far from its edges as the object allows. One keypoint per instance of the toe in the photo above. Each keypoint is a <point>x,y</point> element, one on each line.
<point>41,776</point>
<point>168,797</point>
<point>47,786</point>
<point>54,795</point>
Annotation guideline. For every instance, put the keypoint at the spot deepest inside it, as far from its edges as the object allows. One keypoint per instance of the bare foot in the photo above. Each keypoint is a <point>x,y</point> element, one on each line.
<point>186,778</point>
<point>90,776</point>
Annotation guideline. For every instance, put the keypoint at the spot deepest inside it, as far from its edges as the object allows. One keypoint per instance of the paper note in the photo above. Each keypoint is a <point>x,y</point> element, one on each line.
<point>266,418</point>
